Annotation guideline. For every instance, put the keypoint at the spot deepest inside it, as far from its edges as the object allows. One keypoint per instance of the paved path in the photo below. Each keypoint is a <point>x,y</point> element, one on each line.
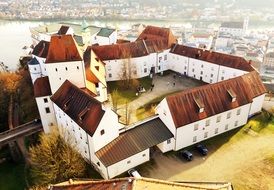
<point>162,85</point>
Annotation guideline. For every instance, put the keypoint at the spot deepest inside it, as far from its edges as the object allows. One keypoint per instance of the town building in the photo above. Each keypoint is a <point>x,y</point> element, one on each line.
<point>83,34</point>
<point>72,91</point>
<point>236,29</point>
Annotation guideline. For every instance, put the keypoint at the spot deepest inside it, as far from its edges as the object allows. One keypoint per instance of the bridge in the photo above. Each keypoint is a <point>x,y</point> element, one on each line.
<point>20,131</point>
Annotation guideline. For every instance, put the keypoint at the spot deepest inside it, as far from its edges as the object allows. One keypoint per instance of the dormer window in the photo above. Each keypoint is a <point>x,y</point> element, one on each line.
<point>83,113</point>
<point>200,104</point>
<point>232,95</point>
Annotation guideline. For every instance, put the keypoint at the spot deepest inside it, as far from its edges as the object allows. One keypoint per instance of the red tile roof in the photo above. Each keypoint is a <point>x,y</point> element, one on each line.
<point>120,51</point>
<point>129,50</point>
<point>158,33</point>
<point>41,49</point>
<point>62,48</point>
<point>215,98</point>
<point>80,106</point>
<point>133,141</point>
<point>212,57</point>
<point>42,87</point>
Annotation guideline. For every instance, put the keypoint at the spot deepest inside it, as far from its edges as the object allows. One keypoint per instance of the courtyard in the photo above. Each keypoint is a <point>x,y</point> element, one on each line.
<point>142,105</point>
<point>243,156</point>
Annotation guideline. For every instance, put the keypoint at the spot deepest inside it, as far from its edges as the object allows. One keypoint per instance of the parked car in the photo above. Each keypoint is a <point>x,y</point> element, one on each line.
<point>186,155</point>
<point>202,149</point>
<point>134,173</point>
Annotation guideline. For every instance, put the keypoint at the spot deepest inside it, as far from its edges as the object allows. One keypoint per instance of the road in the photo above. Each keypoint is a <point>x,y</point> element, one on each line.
<point>20,131</point>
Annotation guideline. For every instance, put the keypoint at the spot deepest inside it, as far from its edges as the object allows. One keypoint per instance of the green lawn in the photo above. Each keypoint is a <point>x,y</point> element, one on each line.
<point>12,176</point>
<point>128,95</point>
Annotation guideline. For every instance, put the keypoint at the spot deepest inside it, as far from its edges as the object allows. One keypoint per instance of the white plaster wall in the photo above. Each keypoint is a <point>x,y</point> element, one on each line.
<point>201,70</point>
<point>45,37</point>
<point>185,134</point>
<point>72,71</point>
<point>42,65</point>
<point>109,123</point>
<point>123,166</point>
<point>228,73</point>
<point>164,114</point>
<point>256,105</point>
<point>35,72</point>
<point>48,119</point>
<point>115,67</point>
<point>178,63</point>
<point>78,138</point>
<point>165,147</point>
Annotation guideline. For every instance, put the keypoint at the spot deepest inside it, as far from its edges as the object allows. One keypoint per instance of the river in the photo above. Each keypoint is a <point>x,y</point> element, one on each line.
<point>14,35</point>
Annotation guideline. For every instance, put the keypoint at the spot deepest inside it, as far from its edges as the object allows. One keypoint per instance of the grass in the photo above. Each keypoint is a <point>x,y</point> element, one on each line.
<point>128,95</point>
<point>12,176</point>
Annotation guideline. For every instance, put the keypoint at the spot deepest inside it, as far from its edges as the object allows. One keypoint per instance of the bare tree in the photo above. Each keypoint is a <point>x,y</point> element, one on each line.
<point>115,99</point>
<point>127,113</point>
<point>128,70</point>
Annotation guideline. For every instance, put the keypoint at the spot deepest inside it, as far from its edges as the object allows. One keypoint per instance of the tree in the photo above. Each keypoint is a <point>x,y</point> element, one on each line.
<point>53,160</point>
<point>115,99</point>
<point>128,113</point>
<point>10,81</point>
<point>127,71</point>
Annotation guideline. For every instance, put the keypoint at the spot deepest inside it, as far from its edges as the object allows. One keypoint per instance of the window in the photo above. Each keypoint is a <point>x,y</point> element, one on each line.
<point>78,67</point>
<point>51,124</point>
<point>160,59</point>
<point>47,110</point>
<point>218,119</point>
<point>109,75</point>
<point>66,68</point>
<point>102,132</point>
<point>145,70</point>
<point>165,57</point>
<point>56,69</point>
<point>222,78</point>
<point>228,115</point>
<point>238,111</point>
<point>128,162</point>
<point>202,72</point>
<point>226,126</point>
<point>210,81</point>
<point>211,75</point>
<point>205,135</point>
<point>35,68</point>
<point>236,123</point>
<point>60,78</point>
<point>216,131</point>
<point>96,84</point>
<point>159,67</point>
<point>98,163</point>
<point>144,155</point>
<point>207,122</point>
<point>185,68</point>
<point>202,66</point>
<point>45,100</point>
<point>193,70</point>
<point>194,138</point>
<point>168,141</point>
<point>97,68</point>
<point>196,127</point>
